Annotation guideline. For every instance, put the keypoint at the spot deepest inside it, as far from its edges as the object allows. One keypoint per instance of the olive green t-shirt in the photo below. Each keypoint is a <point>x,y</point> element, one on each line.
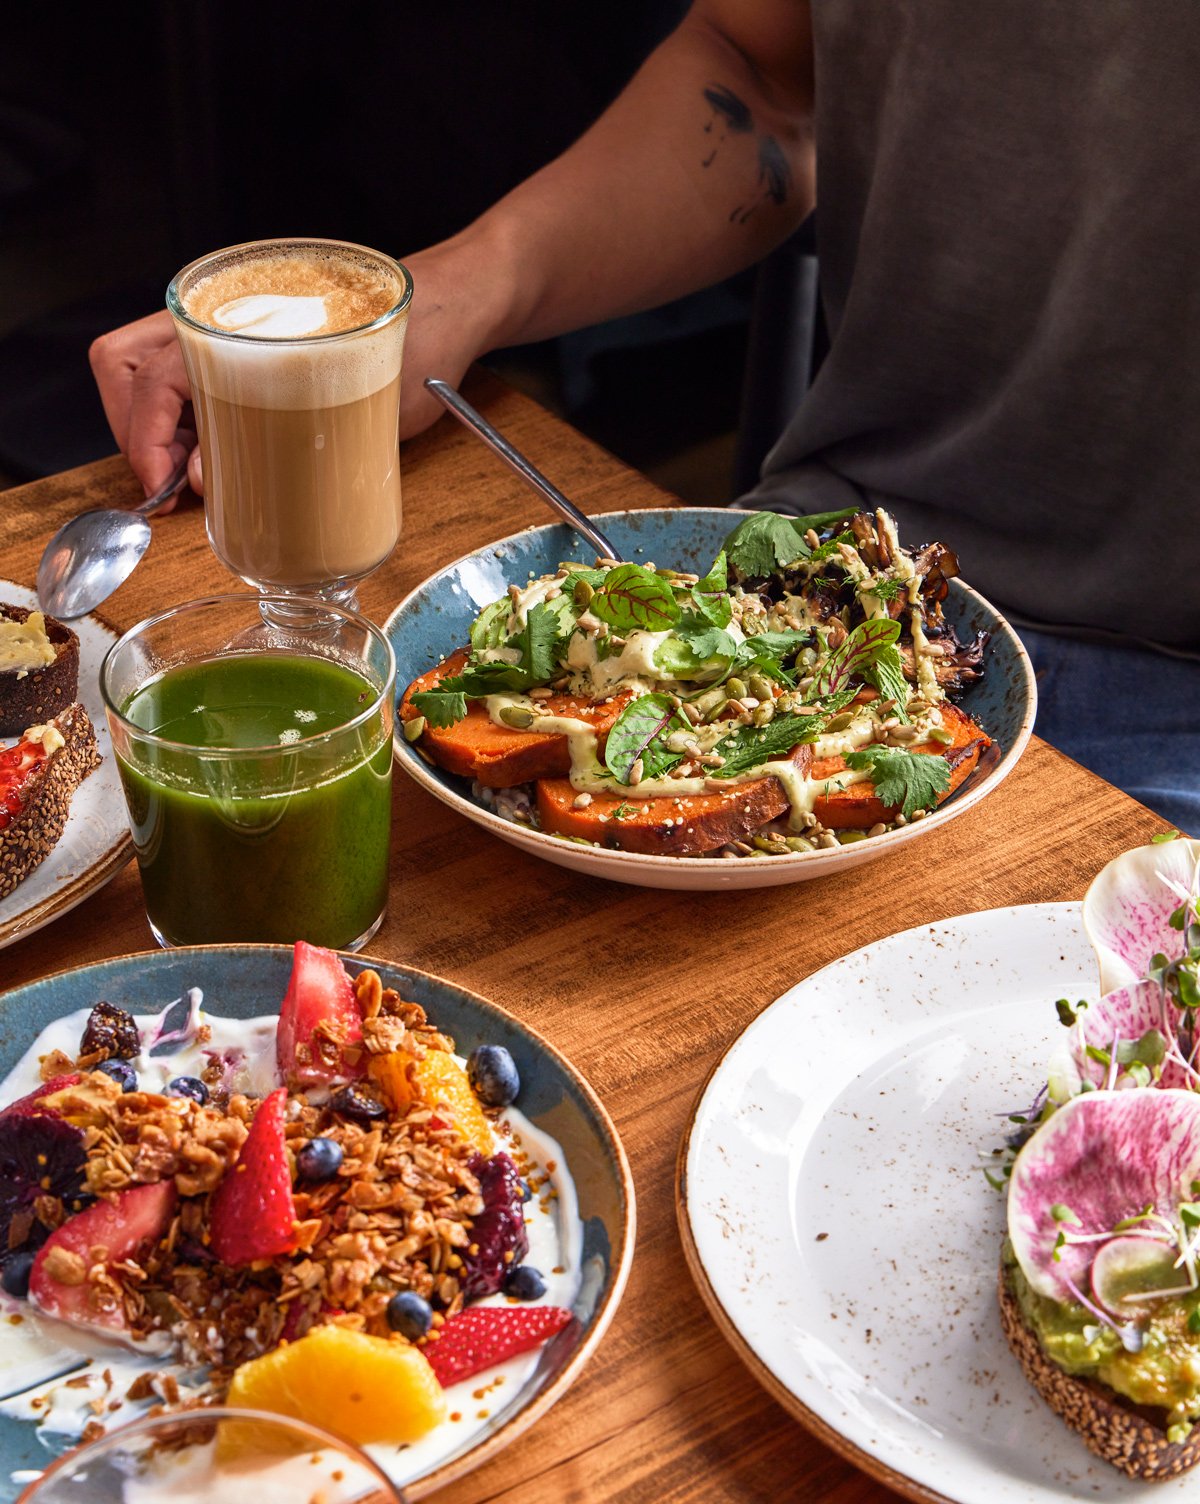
<point>1009,239</point>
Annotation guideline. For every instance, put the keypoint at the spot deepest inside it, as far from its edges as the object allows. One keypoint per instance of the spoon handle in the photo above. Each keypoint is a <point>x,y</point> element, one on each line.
<point>174,484</point>
<point>513,457</point>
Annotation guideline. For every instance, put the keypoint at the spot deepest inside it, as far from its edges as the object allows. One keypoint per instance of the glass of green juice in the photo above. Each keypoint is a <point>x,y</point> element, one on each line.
<point>256,759</point>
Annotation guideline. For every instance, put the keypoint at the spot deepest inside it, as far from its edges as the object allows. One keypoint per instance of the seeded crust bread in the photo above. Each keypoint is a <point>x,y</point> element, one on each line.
<point>32,835</point>
<point>39,695</point>
<point>1130,1437</point>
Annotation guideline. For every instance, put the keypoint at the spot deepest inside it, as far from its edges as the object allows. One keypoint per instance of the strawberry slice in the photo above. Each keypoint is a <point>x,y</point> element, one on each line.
<point>106,1233</point>
<point>16,765</point>
<point>252,1215</point>
<point>481,1336</point>
<point>319,1021</point>
<point>27,1106</point>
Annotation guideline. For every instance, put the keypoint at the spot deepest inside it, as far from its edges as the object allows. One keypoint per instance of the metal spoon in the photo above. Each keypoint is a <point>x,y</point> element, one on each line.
<point>513,457</point>
<point>95,552</point>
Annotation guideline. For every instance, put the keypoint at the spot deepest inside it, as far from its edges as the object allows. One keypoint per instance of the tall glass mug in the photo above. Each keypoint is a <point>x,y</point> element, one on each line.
<point>293,349</point>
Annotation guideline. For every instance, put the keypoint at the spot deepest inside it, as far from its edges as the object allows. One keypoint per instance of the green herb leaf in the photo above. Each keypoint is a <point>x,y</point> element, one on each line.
<point>913,780</point>
<point>1068,1012</point>
<point>860,650</point>
<point>441,707</point>
<point>624,812</point>
<point>1062,1213</point>
<point>764,543</point>
<point>887,589</point>
<point>632,597</point>
<point>831,548</point>
<point>768,652</point>
<point>539,641</point>
<point>640,731</point>
<point>886,673</point>
<point>1161,839</point>
<point>747,746</point>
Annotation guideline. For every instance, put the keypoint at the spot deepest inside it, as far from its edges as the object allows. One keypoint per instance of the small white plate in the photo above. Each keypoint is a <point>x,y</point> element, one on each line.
<point>838,1223</point>
<point>96,842</point>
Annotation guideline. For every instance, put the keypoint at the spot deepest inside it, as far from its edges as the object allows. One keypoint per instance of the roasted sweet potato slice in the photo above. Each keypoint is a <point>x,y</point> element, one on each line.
<point>668,825</point>
<point>858,807</point>
<point>496,756</point>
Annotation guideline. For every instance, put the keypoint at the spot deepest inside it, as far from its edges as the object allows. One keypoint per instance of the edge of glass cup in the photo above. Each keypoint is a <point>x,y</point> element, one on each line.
<point>316,739</point>
<point>177,311</point>
<point>148,1424</point>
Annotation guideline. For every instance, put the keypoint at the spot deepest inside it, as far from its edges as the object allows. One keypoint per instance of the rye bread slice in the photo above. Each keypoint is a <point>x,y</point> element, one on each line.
<point>46,798</point>
<point>1131,1437</point>
<point>36,697</point>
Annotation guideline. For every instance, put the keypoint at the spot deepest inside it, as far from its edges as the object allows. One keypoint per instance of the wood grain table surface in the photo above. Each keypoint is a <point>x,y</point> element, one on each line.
<point>643,991</point>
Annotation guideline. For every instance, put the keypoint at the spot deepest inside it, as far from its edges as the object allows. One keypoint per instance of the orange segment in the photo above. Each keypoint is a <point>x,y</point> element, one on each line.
<point>360,1387</point>
<point>440,1082</point>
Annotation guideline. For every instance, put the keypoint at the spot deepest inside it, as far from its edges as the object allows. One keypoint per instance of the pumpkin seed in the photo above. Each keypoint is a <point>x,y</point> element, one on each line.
<point>735,689</point>
<point>850,837</point>
<point>414,729</point>
<point>519,717</point>
<point>760,686</point>
<point>764,714</point>
<point>582,593</point>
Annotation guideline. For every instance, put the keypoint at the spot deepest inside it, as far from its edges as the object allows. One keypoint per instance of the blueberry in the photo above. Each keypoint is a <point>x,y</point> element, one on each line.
<point>121,1071</point>
<point>493,1074</point>
<point>354,1102</point>
<point>15,1278</point>
<point>320,1159</point>
<point>525,1282</point>
<point>188,1086</point>
<point>526,1193</point>
<point>409,1314</point>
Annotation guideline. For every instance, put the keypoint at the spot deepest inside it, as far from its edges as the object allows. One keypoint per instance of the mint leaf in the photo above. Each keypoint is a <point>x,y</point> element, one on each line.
<point>912,780</point>
<point>858,651</point>
<point>640,731</point>
<point>489,629</point>
<point>632,597</point>
<point>440,707</point>
<point>746,747</point>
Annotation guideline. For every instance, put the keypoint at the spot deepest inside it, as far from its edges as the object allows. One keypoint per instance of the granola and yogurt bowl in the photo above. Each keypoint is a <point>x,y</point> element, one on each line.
<point>328,1213</point>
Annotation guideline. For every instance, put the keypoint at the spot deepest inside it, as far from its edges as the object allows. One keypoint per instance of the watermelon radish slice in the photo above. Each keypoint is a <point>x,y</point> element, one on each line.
<point>1127,909</point>
<point>1134,1266</point>
<point>1103,1157</point>
<point>1124,1017</point>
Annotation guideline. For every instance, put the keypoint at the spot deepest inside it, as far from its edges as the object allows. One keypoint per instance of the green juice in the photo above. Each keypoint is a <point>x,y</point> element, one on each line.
<point>283,844</point>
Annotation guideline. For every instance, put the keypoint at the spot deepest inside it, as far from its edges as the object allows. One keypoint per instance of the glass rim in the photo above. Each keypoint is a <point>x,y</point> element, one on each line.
<point>147,1424</point>
<point>178,311</point>
<point>270,748</point>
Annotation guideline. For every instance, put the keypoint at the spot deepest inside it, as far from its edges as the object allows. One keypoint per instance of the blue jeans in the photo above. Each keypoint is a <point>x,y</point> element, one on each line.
<point>1127,713</point>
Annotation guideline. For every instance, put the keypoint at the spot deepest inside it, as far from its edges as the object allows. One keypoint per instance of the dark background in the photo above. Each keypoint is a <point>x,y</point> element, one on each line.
<point>134,138</point>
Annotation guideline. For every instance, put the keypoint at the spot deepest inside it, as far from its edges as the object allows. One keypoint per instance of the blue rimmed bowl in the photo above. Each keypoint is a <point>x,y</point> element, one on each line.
<point>246,981</point>
<point>432,621</point>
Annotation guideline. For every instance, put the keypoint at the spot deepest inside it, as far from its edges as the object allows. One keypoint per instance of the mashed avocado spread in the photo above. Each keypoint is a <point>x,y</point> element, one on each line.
<point>1164,1373</point>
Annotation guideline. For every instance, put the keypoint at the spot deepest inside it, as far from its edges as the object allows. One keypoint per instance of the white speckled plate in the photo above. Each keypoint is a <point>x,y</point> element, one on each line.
<point>838,1224</point>
<point>96,843</point>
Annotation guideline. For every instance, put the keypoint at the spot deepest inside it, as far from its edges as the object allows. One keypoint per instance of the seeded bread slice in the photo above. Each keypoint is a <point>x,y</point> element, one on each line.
<point>31,699</point>
<point>1131,1437</point>
<point>46,799</point>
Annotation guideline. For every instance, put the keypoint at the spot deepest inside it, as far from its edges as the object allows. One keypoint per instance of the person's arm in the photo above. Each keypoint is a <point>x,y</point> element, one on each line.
<point>701,165</point>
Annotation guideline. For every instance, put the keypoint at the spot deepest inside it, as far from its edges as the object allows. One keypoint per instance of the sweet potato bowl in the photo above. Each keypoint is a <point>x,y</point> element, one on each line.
<point>433,622</point>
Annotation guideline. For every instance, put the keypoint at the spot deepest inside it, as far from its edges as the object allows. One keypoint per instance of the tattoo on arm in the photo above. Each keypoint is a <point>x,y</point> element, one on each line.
<point>732,116</point>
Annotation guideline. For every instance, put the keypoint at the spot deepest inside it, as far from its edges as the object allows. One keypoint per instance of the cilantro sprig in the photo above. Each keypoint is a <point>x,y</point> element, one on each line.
<point>766,541</point>
<point>538,643</point>
<point>912,780</point>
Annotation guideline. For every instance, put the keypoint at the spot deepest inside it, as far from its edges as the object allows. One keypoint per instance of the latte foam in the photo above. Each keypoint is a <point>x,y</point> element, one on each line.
<point>292,295</point>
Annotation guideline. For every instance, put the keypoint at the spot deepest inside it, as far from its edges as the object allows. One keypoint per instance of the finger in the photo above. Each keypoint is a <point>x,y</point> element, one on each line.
<point>158,393</point>
<point>196,472</point>
<point>114,358</point>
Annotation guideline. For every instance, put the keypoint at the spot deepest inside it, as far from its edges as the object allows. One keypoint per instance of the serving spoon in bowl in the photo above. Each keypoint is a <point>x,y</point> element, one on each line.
<point>95,552</point>
<point>512,456</point>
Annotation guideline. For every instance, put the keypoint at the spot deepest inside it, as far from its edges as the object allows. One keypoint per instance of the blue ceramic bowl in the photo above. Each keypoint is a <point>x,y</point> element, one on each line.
<point>434,619</point>
<point>242,981</point>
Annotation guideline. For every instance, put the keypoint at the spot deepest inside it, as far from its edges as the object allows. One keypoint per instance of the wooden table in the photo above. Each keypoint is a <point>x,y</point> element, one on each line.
<point>642,991</point>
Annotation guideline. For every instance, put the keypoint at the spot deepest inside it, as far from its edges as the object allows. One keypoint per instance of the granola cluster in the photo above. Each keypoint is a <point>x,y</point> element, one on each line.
<point>396,1215</point>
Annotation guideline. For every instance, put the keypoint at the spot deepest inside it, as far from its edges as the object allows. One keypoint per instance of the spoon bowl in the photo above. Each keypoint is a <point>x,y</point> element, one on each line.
<point>89,556</point>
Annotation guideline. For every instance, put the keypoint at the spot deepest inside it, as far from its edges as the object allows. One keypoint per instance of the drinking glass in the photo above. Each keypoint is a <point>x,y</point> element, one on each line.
<point>299,434</point>
<point>222,1455</point>
<point>255,755</point>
